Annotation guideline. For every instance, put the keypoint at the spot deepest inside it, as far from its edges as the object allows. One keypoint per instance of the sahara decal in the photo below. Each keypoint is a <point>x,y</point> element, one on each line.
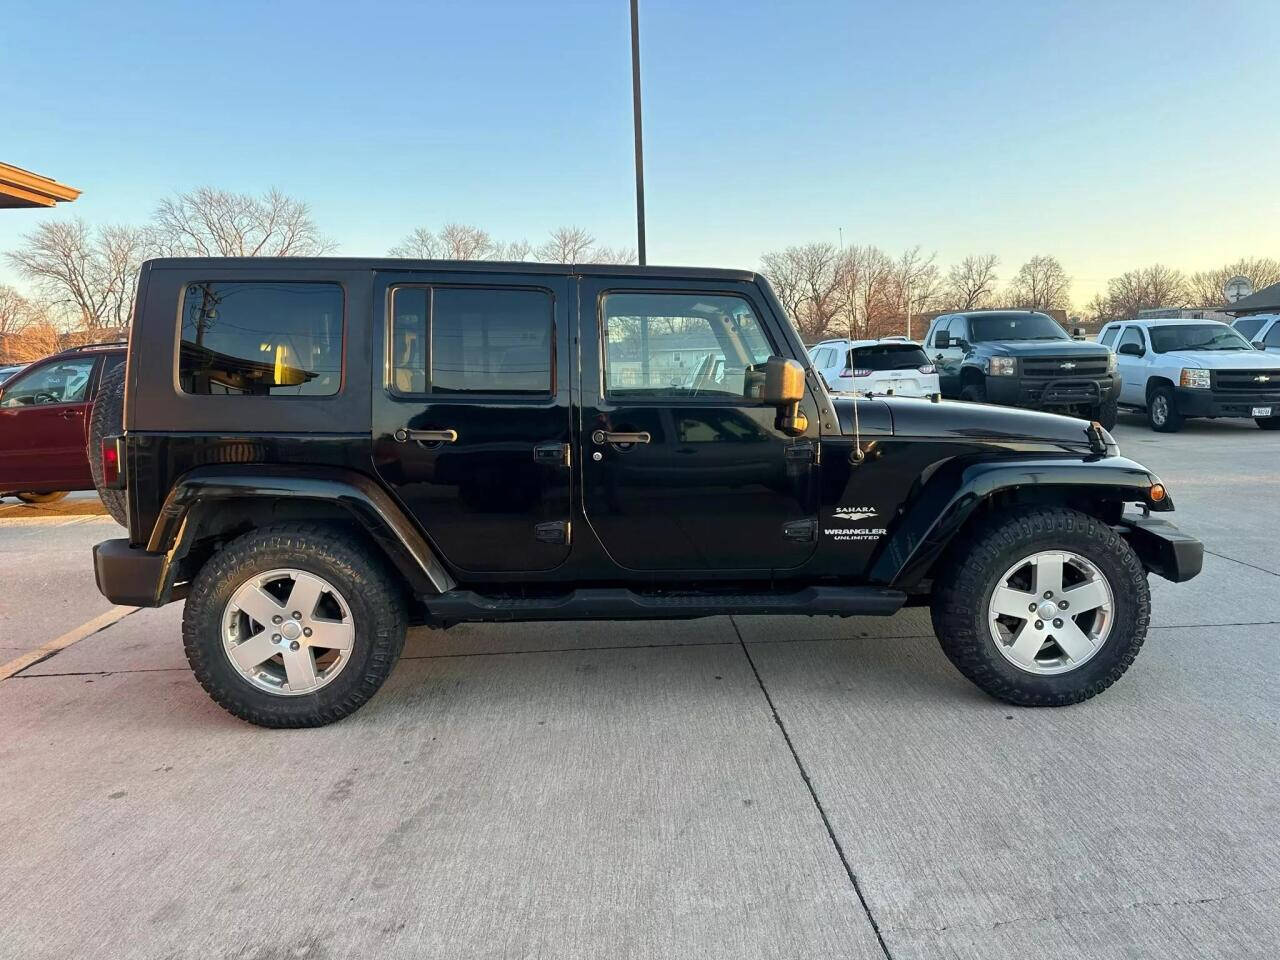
<point>854,515</point>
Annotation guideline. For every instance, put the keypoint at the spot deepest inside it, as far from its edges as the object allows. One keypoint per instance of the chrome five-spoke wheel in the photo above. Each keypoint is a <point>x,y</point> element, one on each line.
<point>1051,612</point>
<point>288,632</point>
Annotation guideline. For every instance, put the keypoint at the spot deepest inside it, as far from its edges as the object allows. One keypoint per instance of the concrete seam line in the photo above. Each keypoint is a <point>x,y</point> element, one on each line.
<point>813,795</point>
<point>1243,563</point>
<point>43,652</point>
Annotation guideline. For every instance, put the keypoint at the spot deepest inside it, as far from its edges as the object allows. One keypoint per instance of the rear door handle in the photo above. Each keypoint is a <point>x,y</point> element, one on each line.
<point>601,437</point>
<point>426,436</point>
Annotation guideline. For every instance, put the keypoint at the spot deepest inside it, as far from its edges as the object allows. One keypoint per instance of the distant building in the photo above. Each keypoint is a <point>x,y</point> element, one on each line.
<point>1184,313</point>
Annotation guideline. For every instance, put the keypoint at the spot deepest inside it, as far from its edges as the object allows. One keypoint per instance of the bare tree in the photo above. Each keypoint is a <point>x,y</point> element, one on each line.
<point>1041,284</point>
<point>811,285</point>
<point>1205,286</point>
<point>916,283</point>
<point>971,283</point>
<point>1146,289</point>
<point>874,307</point>
<point>16,311</point>
<point>92,278</point>
<point>515,251</point>
<point>422,244</point>
<point>208,222</point>
<point>567,245</point>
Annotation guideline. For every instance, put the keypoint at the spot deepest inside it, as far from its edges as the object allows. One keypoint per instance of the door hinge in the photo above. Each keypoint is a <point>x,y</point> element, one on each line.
<point>806,451</point>
<point>556,531</point>
<point>551,454</point>
<point>802,531</point>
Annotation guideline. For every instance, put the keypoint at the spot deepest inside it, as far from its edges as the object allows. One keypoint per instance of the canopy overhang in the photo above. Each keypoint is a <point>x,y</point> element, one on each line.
<point>1266,300</point>
<point>23,189</point>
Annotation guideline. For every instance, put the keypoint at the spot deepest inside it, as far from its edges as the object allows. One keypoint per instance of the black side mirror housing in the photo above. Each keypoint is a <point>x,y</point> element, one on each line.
<point>1259,345</point>
<point>1131,350</point>
<point>942,341</point>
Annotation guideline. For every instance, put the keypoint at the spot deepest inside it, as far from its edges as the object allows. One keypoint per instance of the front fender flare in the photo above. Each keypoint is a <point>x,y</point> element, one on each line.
<point>956,489</point>
<point>370,506</point>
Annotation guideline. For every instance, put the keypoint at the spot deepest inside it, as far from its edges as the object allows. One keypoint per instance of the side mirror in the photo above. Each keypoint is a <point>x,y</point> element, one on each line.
<point>942,341</point>
<point>783,388</point>
<point>1131,350</point>
<point>1077,332</point>
<point>1257,345</point>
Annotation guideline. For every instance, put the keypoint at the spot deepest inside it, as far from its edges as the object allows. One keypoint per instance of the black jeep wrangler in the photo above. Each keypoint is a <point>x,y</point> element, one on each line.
<point>317,453</point>
<point>1021,358</point>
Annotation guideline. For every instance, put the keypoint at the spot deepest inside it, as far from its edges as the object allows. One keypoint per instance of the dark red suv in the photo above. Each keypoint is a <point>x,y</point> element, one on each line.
<point>44,422</point>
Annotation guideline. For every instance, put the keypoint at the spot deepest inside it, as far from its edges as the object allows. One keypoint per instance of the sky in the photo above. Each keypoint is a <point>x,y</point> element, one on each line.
<point>1109,134</point>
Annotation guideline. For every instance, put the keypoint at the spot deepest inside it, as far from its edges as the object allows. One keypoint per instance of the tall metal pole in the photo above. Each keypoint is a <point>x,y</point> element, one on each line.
<point>635,104</point>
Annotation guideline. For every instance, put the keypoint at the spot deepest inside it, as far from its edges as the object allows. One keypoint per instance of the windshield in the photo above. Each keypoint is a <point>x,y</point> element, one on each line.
<point>1196,336</point>
<point>887,356</point>
<point>1015,326</point>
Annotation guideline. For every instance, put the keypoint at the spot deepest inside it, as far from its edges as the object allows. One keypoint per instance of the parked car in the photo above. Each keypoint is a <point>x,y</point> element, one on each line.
<point>893,365</point>
<point>1021,358</point>
<point>7,372</point>
<point>1261,329</point>
<point>1174,369</point>
<point>322,450</point>
<point>44,420</point>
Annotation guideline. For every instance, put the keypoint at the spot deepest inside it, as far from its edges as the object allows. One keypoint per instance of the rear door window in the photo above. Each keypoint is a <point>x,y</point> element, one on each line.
<point>261,339</point>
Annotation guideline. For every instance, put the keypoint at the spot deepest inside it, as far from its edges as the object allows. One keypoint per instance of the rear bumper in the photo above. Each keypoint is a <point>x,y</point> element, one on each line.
<point>1213,403</point>
<point>1063,392</point>
<point>1163,548</point>
<point>130,575</point>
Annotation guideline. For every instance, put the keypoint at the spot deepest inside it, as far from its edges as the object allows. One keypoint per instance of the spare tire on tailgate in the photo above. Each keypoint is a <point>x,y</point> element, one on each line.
<point>107,420</point>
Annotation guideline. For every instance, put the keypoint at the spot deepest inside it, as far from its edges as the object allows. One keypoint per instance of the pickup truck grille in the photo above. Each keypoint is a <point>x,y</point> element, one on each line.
<point>1052,367</point>
<point>1246,380</point>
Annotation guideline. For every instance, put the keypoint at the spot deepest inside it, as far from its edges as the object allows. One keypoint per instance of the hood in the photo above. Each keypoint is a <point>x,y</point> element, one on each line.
<point>1042,348</point>
<point>1222,359</point>
<point>911,417</point>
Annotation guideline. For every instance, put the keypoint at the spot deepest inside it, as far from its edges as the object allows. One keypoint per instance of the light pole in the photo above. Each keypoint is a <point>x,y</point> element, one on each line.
<point>635,106</point>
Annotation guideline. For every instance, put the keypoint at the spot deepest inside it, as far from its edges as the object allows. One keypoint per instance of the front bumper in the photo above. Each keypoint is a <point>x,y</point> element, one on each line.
<point>1163,548</point>
<point>1062,392</point>
<point>130,575</point>
<point>1215,403</point>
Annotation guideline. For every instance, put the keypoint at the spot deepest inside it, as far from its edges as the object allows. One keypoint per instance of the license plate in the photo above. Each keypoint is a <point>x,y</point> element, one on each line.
<point>897,386</point>
<point>1262,411</point>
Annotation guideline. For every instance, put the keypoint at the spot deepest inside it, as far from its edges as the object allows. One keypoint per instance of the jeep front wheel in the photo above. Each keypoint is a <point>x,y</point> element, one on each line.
<point>293,626</point>
<point>1046,608</point>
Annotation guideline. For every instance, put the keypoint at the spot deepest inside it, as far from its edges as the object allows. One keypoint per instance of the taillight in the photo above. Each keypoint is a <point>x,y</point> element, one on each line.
<point>860,372</point>
<point>927,368</point>
<point>111,463</point>
<point>846,372</point>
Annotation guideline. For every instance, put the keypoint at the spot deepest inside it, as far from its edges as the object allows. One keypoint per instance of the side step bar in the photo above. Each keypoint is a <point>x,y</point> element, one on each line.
<point>616,603</point>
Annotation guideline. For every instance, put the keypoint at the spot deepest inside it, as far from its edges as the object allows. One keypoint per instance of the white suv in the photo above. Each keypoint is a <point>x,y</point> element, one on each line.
<point>890,366</point>
<point>1261,329</point>
<point>1174,369</point>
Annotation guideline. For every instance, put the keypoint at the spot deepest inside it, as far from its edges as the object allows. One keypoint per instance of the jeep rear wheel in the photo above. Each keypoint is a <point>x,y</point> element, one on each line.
<point>1047,607</point>
<point>293,626</point>
<point>107,420</point>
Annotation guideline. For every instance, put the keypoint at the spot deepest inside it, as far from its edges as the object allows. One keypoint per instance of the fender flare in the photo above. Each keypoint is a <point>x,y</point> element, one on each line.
<point>949,497</point>
<point>202,490</point>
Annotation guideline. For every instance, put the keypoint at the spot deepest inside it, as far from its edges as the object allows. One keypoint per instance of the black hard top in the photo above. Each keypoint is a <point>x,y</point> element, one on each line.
<point>455,266</point>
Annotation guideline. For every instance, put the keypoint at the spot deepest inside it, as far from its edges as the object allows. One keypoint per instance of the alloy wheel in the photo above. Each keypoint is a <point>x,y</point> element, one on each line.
<point>1051,612</point>
<point>288,632</point>
<point>1159,409</point>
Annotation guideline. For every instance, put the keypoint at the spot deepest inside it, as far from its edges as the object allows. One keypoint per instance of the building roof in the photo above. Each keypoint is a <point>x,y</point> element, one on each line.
<point>1266,300</point>
<point>22,188</point>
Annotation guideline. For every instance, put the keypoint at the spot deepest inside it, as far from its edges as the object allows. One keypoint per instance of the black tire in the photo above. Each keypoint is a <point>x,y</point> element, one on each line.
<point>107,420</point>
<point>1105,413</point>
<point>974,393</point>
<point>28,497</point>
<point>963,590</point>
<point>1162,410</point>
<point>1267,423</point>
<point>377,610</point>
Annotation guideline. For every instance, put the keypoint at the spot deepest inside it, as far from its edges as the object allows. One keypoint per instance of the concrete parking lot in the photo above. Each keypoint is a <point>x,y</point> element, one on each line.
<point>736,787</point>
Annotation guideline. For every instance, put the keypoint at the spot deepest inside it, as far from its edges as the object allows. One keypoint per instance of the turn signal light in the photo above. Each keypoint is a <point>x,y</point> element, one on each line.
<point>1157,492</point>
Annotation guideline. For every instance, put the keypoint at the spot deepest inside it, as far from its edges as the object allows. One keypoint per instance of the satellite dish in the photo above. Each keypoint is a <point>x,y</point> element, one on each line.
<point>1237,288</point>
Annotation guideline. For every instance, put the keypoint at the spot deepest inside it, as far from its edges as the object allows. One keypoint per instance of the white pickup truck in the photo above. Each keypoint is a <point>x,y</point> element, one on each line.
<point>1175,369</point>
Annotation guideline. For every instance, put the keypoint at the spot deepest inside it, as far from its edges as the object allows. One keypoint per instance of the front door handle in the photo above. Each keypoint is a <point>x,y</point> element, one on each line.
<point>426,436</point>
<point>601,437</point>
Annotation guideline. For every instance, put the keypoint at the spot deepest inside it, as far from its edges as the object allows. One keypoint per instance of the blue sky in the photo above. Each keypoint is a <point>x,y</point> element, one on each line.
<point>1111,134</point>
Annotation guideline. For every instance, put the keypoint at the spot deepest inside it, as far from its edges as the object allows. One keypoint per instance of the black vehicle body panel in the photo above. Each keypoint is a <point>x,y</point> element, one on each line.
<point>865,499</point>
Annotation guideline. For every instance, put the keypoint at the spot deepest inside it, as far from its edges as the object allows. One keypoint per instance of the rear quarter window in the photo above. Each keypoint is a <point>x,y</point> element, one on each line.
<point>261,339</point>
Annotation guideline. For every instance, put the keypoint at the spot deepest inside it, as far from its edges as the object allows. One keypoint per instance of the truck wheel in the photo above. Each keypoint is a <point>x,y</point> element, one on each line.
<point>1162,411</point>
<point>107,420</point>
<point>1267,423</point>
<point>1046,607</point>
<point>974,393</point>
<point>293,626</point>
<point>1105,413</point>
<point>26,497</point>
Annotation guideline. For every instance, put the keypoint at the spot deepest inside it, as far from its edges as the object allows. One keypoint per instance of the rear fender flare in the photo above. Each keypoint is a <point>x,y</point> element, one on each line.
<point>200,493</point>
<point>951,495</point>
